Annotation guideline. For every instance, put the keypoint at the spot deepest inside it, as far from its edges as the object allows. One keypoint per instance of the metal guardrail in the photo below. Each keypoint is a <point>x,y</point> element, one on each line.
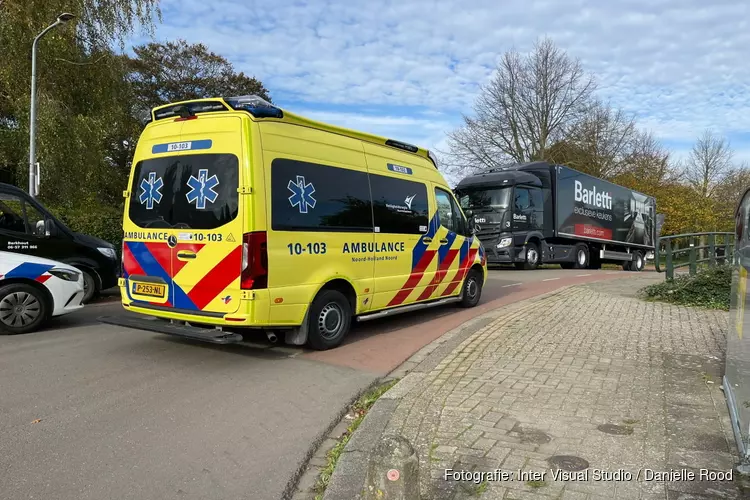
<point>692,250</point>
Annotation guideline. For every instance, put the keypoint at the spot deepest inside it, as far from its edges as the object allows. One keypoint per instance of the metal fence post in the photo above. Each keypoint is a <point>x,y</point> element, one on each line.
<point>711,251</point>
<point>693,265</point>
<point>668,254</point>
<point>729,244</point>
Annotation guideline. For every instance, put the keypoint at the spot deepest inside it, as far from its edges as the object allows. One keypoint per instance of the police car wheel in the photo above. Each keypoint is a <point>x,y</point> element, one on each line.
<point>472,289</point>
<point>330,319</point>
<point>23,308</point>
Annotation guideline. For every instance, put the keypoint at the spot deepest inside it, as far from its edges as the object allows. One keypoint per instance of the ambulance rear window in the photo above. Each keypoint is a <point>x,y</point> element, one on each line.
<point>185,192</point>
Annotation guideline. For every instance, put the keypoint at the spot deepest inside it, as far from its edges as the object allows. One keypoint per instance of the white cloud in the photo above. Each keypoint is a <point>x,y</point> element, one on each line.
<point>680,66</point>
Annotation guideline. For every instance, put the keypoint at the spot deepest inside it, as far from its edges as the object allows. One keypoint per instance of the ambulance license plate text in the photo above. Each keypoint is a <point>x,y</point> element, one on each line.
<point>149,289</point>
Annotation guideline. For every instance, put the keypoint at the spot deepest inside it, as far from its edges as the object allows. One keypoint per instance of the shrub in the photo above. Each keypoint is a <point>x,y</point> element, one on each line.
<point>710,287</point>
<point>98,220</point>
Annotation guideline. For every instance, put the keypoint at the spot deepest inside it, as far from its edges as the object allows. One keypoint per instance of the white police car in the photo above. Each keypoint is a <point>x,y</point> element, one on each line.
<point>33,289</point>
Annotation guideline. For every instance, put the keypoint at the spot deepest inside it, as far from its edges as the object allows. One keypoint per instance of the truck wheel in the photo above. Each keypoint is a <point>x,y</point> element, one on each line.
<point>22,308</point>
<point>329,320</point>
<point>582,256</point>
<point>626,265</point>
<point>566,265</point>
<point>472,289</point>
<point>532,256</point>
<point>638,263</point>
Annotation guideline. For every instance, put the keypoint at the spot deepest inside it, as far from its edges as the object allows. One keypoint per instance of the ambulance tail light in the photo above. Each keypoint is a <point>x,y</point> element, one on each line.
<point>254,261</point>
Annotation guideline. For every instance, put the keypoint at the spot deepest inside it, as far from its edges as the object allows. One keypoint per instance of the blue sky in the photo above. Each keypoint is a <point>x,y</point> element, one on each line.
<point>409,69</point>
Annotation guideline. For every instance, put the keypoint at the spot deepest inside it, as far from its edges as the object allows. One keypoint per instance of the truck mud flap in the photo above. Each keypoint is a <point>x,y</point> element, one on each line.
<point>210,335</point>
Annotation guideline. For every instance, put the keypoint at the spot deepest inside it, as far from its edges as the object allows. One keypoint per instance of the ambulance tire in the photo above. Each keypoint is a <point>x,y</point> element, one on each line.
<point>472,289</point>
<point>330,319</point>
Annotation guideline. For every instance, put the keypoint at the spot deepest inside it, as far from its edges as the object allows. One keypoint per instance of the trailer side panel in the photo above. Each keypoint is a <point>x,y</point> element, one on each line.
<point>595,209</point>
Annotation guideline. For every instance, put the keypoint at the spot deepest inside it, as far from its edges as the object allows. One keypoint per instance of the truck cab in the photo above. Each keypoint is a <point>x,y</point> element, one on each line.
<point>508,207</point>
<point>27,227</point>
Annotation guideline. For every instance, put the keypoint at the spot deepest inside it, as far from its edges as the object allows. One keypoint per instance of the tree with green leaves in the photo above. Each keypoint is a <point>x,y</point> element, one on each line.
<point>176,71</point>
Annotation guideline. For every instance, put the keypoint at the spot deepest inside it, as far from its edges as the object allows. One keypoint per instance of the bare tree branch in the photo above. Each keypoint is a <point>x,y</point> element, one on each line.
<point>709,161</point>
<point>531,103</point>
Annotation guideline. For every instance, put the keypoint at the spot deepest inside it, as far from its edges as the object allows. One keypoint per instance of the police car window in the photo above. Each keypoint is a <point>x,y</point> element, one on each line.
<point>185,192</point>
<point>400,206</point>
<point>312,197</point>
<point>445,209</point>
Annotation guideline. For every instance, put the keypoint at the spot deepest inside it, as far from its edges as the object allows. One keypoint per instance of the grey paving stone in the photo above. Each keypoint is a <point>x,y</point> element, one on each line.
<point>564,364</point>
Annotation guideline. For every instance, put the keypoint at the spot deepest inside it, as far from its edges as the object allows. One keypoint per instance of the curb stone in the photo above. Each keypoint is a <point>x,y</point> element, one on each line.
<point>315,458</point>
<point>347,480</point>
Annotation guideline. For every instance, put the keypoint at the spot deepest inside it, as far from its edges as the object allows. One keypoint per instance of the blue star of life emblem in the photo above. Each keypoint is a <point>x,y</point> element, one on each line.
<point>302,194</point>
<point>202,189</point>
<point>151,190</point>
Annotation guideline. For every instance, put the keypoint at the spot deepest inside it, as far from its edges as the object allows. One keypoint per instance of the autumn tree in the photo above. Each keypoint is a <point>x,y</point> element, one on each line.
<point>531,103</point>
<point>602,142</point>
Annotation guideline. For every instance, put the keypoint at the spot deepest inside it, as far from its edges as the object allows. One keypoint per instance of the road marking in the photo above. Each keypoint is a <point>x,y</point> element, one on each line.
<point>551,279</point>
<point>512,284</point>
<point>581,275</point>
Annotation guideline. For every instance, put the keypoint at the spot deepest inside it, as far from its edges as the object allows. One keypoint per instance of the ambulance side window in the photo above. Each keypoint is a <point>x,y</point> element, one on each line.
<point>450,215</point>
<point>313,197</point>
<point>400,206</point>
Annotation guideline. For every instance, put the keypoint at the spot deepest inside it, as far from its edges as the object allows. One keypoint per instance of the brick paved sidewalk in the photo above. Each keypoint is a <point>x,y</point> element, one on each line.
<point>589,374</point>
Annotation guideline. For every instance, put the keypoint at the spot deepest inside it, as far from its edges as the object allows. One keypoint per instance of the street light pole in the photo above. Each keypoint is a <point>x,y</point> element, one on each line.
<point>62,18</point>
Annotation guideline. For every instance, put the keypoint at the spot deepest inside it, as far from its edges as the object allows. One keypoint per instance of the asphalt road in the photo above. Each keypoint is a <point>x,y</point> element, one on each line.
<point>94,411</point>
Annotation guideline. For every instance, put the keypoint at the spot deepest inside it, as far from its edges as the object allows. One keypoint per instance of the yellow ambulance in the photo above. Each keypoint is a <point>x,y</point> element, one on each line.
<point>242,217</point>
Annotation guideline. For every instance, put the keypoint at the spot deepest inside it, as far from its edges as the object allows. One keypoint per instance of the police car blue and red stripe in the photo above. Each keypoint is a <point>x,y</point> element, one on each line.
<point>33,289</point>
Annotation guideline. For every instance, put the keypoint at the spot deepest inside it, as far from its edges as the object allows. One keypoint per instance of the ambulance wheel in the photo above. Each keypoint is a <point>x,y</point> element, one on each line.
<point>472,289</point>
<point>329,320</point>
<point>23,308</point>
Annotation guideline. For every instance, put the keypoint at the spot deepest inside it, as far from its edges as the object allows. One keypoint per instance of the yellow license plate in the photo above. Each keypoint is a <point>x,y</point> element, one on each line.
<point>149,289</point>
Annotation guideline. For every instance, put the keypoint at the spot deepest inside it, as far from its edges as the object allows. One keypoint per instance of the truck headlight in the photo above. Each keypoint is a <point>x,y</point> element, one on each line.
<point>64,274</point>
<point>108,252</point>
<point>505,242</point>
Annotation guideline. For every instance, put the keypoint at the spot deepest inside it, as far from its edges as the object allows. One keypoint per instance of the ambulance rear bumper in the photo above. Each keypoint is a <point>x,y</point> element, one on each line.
<point>174,328</point>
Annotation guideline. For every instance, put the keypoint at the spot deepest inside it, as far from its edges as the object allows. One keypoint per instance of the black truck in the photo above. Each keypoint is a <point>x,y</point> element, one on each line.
<point>529,214</point>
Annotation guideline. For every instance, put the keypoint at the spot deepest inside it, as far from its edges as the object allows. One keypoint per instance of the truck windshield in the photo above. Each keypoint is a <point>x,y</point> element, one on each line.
<point>185,192</point>
<point>485,198</point>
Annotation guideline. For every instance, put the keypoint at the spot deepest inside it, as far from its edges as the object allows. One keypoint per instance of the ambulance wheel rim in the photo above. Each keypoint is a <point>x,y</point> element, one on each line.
<point>19,309</point>
<point>330,320</point>
<point>471,288</point>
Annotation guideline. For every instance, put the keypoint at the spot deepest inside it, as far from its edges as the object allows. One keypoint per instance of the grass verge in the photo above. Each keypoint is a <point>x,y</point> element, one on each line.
<point>357,413</point>
<point>710,288</point>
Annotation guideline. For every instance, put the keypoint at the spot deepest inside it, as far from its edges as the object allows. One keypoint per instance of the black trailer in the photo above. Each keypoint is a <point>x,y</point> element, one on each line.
<point>539,213</point>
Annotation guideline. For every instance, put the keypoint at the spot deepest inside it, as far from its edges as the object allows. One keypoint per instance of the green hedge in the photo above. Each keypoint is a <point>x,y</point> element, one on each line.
<point>710,287</point>
<point>102,221</point>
